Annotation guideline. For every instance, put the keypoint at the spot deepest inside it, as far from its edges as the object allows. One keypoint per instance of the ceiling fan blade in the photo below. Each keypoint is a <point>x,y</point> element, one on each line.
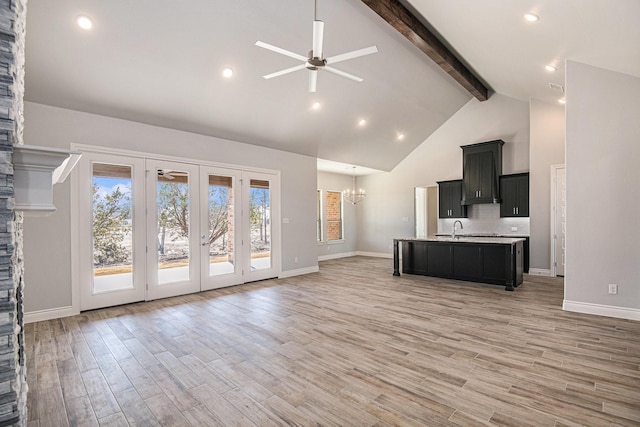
<point>166,174</point>
<point>342,74</point>
<point>313,80</point>
<point>318,35</point>
<point>285,71</point>
<point>281,51</point>
<point>352,54</point>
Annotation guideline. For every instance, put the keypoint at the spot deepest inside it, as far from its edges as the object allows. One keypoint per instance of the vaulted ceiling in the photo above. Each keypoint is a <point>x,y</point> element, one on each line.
<point>160,62</point>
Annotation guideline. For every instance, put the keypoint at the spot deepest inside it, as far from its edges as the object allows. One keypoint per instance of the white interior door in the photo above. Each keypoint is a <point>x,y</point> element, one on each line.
<point>221,227</point>
<point>560,220</point>
<point>111,230</point>
<point>173,229</point>
<point>261,226</point>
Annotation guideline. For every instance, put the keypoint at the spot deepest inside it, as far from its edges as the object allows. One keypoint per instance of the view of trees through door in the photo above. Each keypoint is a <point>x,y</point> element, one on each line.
<point>220,236</point>
<point>173,211</point>
<point>112,227</point>
<point>260,220</point>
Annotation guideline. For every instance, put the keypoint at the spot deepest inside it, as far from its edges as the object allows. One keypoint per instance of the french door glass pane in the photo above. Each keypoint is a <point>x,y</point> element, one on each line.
<point>112,225</point>
<point>221,226</point>
<point>172,198</point>
<point>260,220</point>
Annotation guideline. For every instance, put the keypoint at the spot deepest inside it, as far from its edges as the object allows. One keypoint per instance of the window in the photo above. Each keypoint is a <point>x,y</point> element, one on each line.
<point>334,216</point>
<point>319,215</point>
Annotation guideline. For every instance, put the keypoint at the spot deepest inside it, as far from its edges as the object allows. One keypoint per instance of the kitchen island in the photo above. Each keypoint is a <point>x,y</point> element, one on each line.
<point>495,260</point>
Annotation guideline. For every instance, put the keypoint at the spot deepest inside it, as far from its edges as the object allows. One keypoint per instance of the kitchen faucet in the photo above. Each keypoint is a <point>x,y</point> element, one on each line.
<point>453,234</point>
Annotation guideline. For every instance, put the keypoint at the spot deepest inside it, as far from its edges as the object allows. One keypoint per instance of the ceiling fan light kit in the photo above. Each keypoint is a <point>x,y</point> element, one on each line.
<point>315,59</point>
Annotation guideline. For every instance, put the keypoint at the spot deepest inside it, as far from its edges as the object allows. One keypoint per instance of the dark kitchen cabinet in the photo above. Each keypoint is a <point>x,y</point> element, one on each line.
<point>467,261</point>
<point>481,165</point>
<point>514,191</point>
<point>498,263</point>
<point>414,258</point>
<point>449,200</point>
<point>439,259</point>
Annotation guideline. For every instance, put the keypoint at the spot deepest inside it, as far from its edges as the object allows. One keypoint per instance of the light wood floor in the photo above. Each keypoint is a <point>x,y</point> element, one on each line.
<point>351,345</point>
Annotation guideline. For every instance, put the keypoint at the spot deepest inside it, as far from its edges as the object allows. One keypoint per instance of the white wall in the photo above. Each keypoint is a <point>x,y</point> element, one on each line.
<point>390,196</point>
<point>546,148</point>
<point>47,240</point>
<point>337,182</point>
<point>603,203</point>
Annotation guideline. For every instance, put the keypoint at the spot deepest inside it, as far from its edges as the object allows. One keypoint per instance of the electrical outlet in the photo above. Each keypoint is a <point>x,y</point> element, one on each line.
<point>514,228</point>
<point>405,219</point>
<point>295,260</point>
<point>613,289</point>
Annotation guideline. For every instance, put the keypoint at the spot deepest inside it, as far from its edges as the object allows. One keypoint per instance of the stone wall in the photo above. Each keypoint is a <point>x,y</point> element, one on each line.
<point>13,388</point>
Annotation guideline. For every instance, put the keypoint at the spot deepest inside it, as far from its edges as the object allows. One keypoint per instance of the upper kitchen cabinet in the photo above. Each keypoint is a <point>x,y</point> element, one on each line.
<point>482,166</point>
<point>514,190</point>
<point>449,200</point>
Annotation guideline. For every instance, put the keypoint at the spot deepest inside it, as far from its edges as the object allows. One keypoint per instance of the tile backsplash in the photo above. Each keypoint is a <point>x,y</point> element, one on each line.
<point>485,218</point>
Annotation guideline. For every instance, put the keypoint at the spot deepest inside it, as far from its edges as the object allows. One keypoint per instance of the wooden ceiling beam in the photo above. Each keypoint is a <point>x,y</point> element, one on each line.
<point>407,24</point>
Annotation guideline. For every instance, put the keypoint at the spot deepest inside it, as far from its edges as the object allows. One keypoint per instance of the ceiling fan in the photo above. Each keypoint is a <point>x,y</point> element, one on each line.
<point>315,60</point>
<point>166,174</point>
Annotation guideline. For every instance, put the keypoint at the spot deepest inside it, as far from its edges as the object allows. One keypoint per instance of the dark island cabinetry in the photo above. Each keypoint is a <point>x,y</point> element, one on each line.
<point>449,200</point>
<point>475,261</point>
<point>514,190</point>
<point>481,166</point>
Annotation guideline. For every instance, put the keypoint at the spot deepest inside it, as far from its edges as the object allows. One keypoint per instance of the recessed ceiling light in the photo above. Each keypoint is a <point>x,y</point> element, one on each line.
<point>562,100</point>
<point>531,17</point>
<point>362,122</point>
<point>550,68</point>
<point>400,136</point>
<point>316,105</point>
<point>84,22</point>
<point>227,72</point>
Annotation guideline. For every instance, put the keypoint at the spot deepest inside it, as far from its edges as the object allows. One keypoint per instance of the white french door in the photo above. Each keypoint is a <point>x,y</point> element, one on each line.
<point>173,243</point>
<point>155,228</point>
<point>221,237</point>
<point>111,195</point>
<point>260,225</point>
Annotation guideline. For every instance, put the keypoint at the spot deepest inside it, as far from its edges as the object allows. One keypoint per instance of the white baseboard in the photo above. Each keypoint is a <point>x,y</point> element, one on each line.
<point>336,256</point>
<point>299,272</point>
<point>540,272</point>
<point>602,310</point>
<point>48,314</point>
<point>356,253</point>
<point>375,254</point>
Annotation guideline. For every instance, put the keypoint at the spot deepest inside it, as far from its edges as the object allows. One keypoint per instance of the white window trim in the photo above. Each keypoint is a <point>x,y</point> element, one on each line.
<point>320,195</point>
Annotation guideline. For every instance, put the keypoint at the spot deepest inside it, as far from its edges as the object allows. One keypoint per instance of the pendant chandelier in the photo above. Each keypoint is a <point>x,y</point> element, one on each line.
<point>353,196</point>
